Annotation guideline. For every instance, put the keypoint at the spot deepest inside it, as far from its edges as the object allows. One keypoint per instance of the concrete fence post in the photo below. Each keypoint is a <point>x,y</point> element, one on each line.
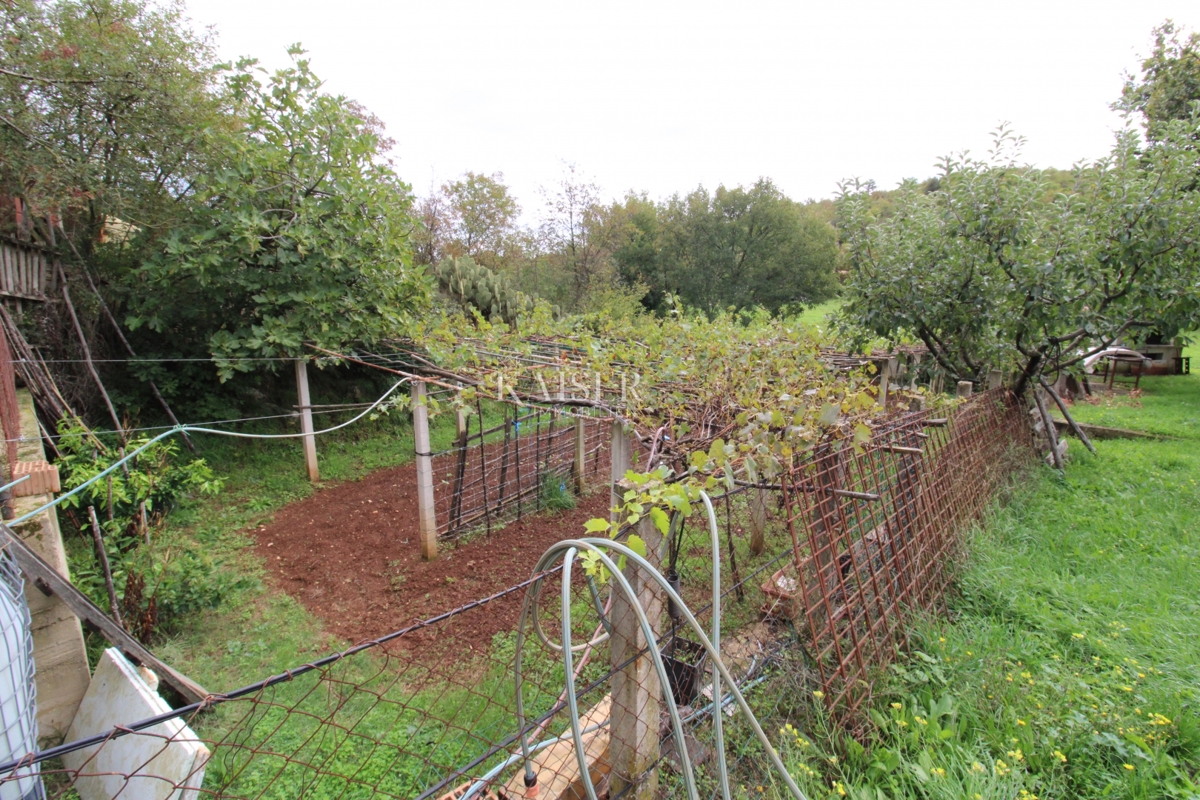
<point>425,509</point>
<point>995,379</point>
<point>636,693</point>
<point>577,466</point>
<point>306,421</point>
<point>620,451</point>
<point>964,389</point>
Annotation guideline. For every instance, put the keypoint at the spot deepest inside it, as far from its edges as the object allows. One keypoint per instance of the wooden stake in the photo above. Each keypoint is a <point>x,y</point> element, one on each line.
<point>577,466</point>
<point>1083,437</point>
<point>102,557</point>
<point>758,521</point>
<point>636,693</point>
<point>425,510</point>
<point>885,376</point>
<point>87,357</point>
<point>1051,431</point>
<point>306,421</point>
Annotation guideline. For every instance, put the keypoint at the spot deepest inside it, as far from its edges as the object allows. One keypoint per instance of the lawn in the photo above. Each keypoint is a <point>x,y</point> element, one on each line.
<point>1070,663</point>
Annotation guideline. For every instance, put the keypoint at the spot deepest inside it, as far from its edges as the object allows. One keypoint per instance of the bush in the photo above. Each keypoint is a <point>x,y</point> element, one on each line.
<point>155,584</point>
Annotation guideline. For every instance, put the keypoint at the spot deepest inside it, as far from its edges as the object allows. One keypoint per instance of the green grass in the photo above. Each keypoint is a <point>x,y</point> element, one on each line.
<point>1169,406</point>
<point>817,315</point>
<point>1072,663</point>
<point>255,633</point>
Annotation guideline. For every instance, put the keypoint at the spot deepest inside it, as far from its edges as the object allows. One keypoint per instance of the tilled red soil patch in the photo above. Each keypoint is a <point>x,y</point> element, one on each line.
<point>350,554</point>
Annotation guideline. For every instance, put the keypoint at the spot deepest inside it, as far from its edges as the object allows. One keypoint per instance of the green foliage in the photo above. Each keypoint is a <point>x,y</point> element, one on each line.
<point>1169,84</point>
<point>479,288</point>
<point>103,103</point>
<point>556,493</point>
<point>299,236</point>
<point>989,274</point>
<point>156,586</point>
<point>740,248</point>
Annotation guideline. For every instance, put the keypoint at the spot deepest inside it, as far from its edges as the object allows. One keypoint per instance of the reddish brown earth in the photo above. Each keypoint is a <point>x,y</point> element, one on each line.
<point>350,554</point>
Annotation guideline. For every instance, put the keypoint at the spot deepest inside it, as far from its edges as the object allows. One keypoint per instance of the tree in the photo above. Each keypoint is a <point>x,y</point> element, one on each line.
<point>300,235</point>
<point>483,217</point>
<point>989,273</point>
<point>102,105</point>
<point>1169,84</point>
<point>433,232</point>
<point>574,235</point>
<point>747,247</point>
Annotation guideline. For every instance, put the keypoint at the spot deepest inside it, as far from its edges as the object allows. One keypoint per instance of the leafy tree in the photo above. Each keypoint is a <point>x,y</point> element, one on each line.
<point>102,104</point>
<point>989,273</point>
<point>300,235</point>
<point>747,247</point>
<point>574,234</point>
<point>483,216</point>
<point>1169,84</point>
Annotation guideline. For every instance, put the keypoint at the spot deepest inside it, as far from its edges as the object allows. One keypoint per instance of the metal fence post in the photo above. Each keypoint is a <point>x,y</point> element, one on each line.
<point>425,508</point>
<point>306,421</point>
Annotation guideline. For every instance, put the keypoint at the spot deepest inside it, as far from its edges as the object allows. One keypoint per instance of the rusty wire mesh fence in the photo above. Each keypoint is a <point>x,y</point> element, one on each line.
<point>855,542</point>
<point>492,475</point>
<point>878,531</point>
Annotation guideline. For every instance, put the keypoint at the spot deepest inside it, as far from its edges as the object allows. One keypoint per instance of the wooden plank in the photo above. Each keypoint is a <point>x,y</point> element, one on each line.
<point>557,767</point>
<point>48,579</point>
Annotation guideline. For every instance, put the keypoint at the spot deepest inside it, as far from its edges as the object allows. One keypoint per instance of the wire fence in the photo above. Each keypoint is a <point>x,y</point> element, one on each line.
<point>618,681</point>
<point>878,532</point>
<point>491,476</point>
<point>18,691</point>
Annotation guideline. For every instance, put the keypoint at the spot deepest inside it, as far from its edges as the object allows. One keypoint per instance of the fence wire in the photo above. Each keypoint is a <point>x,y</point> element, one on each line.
<point>879,532</point>
<point>819,576</point>
<point>491,476</point>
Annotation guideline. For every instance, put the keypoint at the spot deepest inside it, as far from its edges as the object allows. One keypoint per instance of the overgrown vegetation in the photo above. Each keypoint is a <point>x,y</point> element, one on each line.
<point>154,585</point>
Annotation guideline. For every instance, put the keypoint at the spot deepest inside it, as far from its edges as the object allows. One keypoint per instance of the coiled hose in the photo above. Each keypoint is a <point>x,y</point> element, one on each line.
<point>569,551</point>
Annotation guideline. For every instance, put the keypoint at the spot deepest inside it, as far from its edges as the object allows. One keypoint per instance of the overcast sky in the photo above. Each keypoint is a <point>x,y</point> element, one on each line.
<point>662,97</point>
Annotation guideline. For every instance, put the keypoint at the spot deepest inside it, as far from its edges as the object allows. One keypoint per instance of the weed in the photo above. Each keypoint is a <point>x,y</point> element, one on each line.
<point>556,494</point>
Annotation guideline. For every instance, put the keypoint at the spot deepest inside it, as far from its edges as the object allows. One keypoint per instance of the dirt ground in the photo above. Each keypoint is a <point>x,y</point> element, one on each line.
<point>350,554</point>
